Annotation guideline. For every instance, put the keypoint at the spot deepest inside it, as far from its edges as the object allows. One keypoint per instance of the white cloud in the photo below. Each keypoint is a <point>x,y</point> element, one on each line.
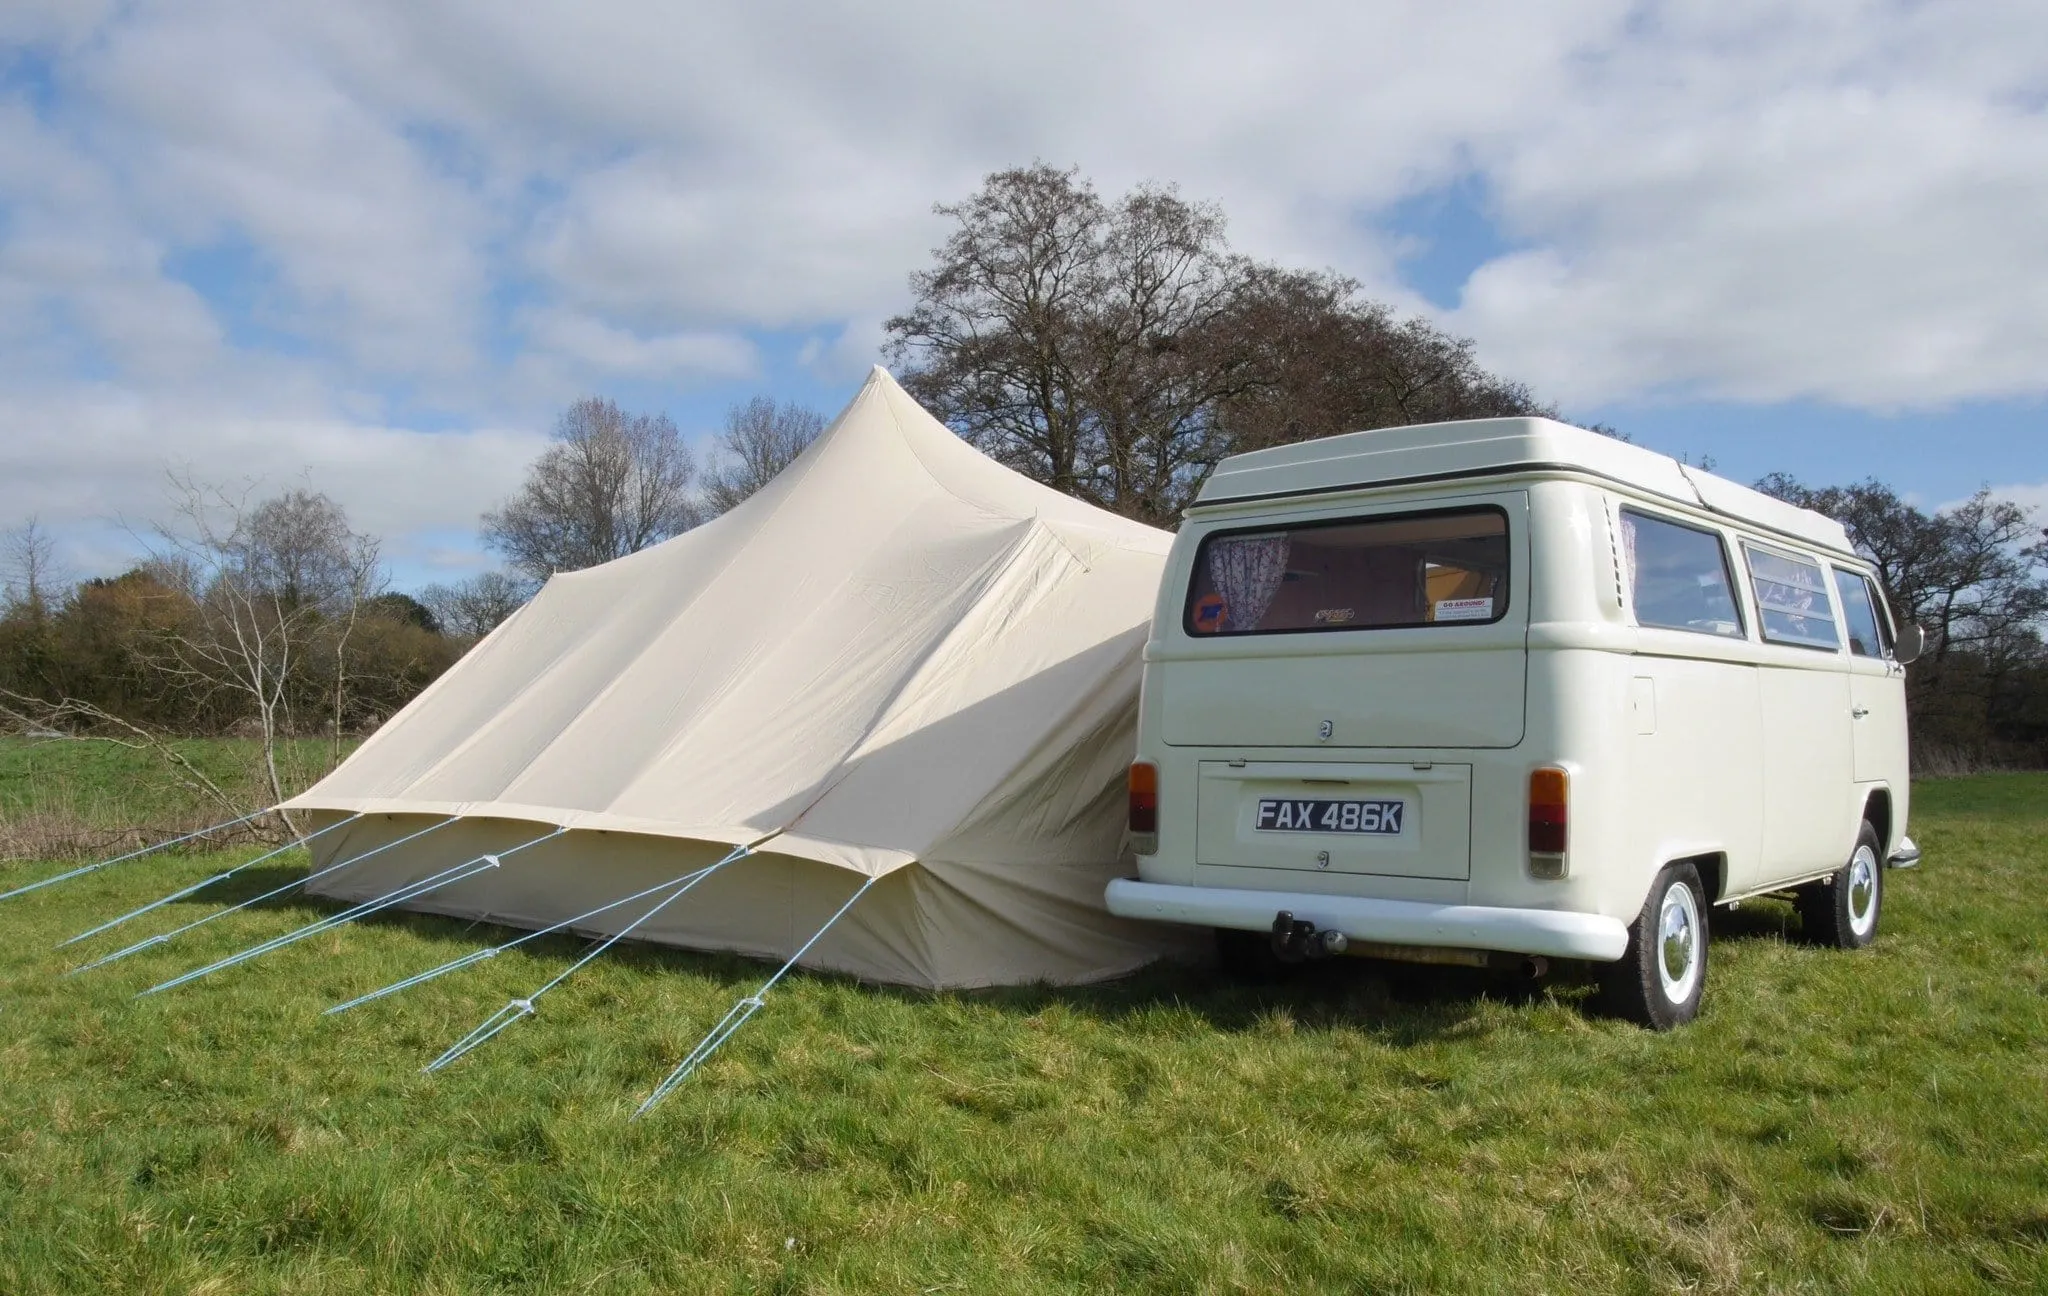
<point>612,350</point>
<point>93,464</point>
<point>247,135</point>
<point>1844,205</point>
<point>485,211</point>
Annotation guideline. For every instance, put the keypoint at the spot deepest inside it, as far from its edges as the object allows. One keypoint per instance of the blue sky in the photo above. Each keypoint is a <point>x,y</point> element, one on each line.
<point>377,247</point>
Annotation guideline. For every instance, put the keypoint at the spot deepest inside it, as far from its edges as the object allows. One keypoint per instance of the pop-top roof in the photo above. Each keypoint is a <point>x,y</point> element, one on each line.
<point>1428,452</point>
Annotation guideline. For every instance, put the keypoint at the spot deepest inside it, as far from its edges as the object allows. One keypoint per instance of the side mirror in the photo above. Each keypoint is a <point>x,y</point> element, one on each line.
<point>1912,642</point>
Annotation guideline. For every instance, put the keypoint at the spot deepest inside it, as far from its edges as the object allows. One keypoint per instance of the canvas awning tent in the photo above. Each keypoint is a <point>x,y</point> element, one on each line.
<point>899,660</point>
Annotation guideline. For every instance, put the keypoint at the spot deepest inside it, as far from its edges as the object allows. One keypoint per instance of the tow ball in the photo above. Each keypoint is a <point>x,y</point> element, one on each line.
<point>1296,940</point>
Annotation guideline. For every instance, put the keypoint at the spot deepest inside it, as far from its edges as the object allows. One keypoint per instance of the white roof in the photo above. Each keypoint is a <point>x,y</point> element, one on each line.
<point>899,652</point>
<point>1426,452</point>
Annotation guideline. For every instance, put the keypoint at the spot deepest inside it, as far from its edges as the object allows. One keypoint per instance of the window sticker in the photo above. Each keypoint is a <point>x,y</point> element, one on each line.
<point>1210,611</point>
<point>1335,616</point>
<point>1464,609</point>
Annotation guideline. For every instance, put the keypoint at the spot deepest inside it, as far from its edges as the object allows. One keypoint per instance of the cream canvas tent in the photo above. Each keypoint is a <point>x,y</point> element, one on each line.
<point>899,660</point>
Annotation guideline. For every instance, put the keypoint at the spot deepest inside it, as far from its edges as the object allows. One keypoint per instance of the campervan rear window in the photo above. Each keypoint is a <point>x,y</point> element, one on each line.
<point>1384,572</point>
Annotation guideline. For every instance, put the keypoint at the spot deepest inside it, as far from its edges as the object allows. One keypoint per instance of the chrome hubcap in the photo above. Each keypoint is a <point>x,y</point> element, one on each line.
<point>1678,943</point>
<point>1863,891</point>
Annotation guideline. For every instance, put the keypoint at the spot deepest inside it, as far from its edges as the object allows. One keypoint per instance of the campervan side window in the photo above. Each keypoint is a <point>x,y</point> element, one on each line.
<point>1384,572</point>
<point>1791,599</point>
<point>1859,615</point>
<point>1678,576</point>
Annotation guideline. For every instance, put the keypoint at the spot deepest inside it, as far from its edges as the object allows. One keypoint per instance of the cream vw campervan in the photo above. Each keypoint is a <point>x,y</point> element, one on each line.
<point>1508,688</point>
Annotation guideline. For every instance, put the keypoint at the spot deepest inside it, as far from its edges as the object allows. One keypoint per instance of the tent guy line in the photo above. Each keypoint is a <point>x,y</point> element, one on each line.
<point>410,891</point>
<point>519,1008</point>
<point>135,854</point>
<point>492,951</point>
<point>151,941</point>
<point>182,892</point>
<point>738,1014</point>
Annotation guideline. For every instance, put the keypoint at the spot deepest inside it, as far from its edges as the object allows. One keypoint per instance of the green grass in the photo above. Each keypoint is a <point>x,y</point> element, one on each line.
<point>1853,1122</point>
<point>67,795</point>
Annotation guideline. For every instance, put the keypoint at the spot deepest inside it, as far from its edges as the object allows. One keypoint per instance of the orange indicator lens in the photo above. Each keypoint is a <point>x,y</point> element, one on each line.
<point>1549,797</point>
<point>1144,786</point>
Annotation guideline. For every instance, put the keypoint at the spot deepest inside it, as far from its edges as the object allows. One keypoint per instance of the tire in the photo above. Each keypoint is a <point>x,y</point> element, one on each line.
<point>1661,977</point>
<point>1841,911</point>
<point>1248,956</point>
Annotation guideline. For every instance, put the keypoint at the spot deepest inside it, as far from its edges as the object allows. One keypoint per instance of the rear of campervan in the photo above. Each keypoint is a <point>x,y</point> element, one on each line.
<point>1479,691</point>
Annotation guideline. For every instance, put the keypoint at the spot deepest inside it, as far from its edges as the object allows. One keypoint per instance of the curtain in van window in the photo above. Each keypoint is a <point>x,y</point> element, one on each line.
<point>1246,571</point>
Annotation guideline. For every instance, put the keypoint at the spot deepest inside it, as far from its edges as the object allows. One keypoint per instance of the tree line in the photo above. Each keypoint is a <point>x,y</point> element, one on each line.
<point>1114,349</point>
<point>1975,577</point>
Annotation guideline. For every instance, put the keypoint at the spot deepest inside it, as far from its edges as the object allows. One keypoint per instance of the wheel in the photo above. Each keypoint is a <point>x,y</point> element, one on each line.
<point>1249,956</point>
<point>1841,912</point>
<point>1661,976</point>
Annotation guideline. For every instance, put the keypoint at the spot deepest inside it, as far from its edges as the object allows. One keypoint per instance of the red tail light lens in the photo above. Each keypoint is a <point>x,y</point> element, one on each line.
<point>1549,801</point>
<point>1144,785</point>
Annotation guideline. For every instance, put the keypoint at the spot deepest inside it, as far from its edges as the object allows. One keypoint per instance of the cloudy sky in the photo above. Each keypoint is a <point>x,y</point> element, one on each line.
<point>378,246</point>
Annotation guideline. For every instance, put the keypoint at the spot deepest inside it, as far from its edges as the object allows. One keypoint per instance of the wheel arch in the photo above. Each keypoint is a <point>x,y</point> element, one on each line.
<point>1710,862</point>
<point>1877,812</point>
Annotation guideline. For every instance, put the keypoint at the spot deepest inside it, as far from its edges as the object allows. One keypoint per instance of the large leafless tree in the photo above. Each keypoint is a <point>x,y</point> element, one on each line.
<point>612,484</point>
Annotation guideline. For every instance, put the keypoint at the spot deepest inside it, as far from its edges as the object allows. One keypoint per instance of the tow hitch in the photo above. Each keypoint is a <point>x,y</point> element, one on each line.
<point>1296,940</point>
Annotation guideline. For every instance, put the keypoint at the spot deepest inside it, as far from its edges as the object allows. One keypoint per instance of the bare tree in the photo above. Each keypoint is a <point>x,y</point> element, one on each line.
<point>612,484</point>
<point>30,561</point>
<point>473,608</point>
<point>298,549</point>
<point>275,591</point>
<point>298,545</point>
<point>761,438</point>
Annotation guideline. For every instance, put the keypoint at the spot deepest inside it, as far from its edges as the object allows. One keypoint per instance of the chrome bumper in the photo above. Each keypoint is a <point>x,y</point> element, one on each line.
<point>1553,933</point>
<point>1906,856</point>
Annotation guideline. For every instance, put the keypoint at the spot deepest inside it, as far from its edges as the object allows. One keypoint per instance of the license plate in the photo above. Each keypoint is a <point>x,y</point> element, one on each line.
<point>1316,815</point>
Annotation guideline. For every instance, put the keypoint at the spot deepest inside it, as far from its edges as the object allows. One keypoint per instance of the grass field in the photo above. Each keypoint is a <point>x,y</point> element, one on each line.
<point>64,796</point>
<point>1853,1122</point>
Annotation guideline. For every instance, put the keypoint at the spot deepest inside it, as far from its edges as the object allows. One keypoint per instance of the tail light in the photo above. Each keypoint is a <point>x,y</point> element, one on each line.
<point>1549,817</point>
<point>1144,811</point>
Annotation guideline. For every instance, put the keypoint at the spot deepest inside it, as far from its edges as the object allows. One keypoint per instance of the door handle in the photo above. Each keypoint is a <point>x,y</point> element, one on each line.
<point>1859,712</point>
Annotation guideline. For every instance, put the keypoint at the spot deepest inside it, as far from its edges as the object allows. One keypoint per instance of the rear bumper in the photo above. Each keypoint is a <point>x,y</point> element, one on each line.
<point>1906,856</point>
<point>1553,933</point>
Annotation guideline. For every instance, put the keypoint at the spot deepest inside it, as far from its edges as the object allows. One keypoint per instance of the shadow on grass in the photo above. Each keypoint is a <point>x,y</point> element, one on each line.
<point>1398,1003</point>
